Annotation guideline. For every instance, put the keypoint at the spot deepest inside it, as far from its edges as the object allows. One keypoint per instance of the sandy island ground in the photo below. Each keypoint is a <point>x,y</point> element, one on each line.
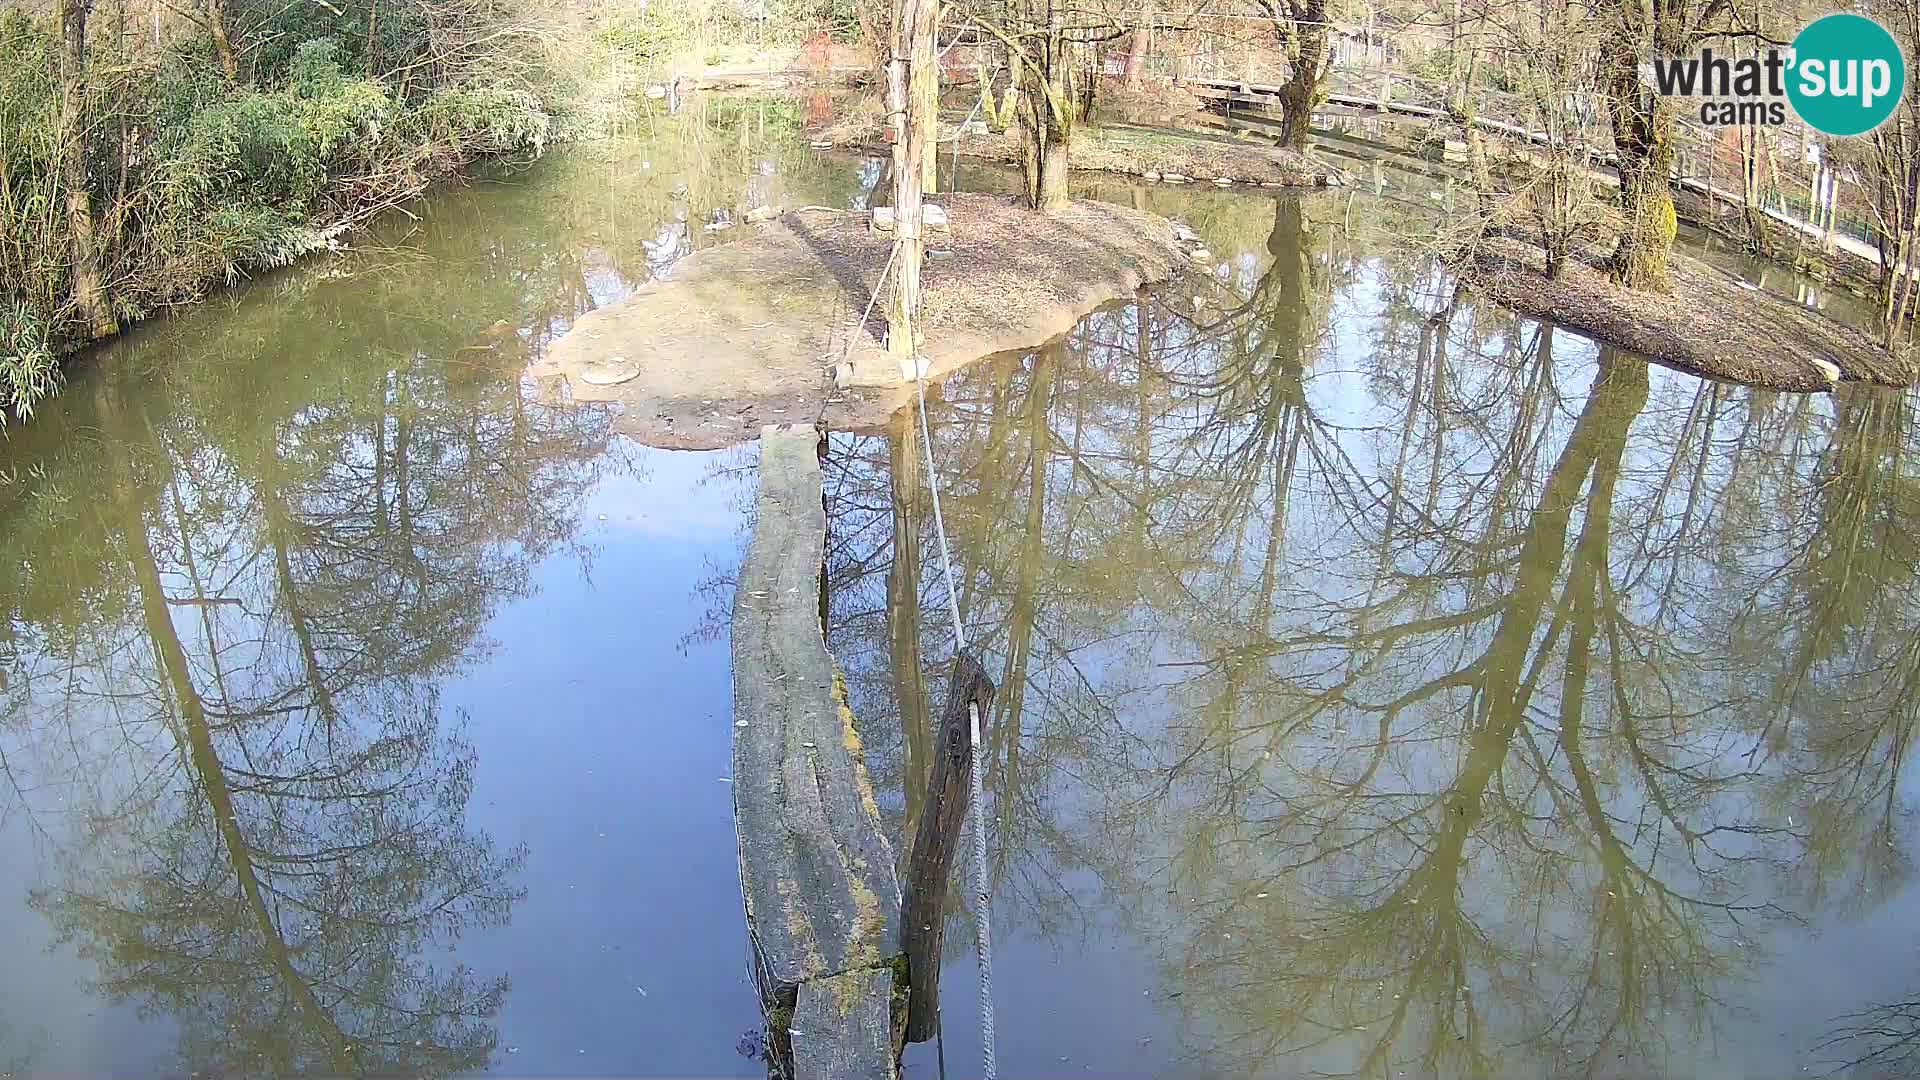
<point>751,332</point>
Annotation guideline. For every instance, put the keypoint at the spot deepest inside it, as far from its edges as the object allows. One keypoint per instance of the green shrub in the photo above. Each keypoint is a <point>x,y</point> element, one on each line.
<point>28,371</point>
<point>278,148</point>
<point>194,179</point>
<point>483,120</point>
<point>645,35</point>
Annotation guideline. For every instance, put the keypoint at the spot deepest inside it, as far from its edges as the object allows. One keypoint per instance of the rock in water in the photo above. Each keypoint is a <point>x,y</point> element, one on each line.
<point>1827,368</point>
<point>612,373</point>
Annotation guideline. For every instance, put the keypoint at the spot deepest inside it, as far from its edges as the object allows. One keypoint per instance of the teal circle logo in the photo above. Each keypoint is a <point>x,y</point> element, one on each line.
<point>1847,74</point>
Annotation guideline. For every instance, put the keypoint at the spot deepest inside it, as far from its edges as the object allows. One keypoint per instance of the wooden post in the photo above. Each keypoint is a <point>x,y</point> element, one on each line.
<point>923,915</point>
<point>913,26</point>
<point>923,85</point>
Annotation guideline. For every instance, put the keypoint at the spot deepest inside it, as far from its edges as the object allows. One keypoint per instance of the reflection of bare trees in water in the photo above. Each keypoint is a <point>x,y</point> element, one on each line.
<point>1880,1043</point>
<point>236,676</point>
<point>1418,723</point>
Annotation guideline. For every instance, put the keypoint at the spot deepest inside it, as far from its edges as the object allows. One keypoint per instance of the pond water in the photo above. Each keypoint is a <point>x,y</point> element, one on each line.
<point>1390,686</point>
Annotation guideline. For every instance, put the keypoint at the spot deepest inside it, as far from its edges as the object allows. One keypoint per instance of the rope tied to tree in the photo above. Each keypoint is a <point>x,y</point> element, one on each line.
<point>982,906</point>
<point>982,902</point>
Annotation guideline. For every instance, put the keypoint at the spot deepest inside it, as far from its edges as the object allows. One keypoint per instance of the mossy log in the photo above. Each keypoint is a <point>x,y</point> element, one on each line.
<point>816,872</point>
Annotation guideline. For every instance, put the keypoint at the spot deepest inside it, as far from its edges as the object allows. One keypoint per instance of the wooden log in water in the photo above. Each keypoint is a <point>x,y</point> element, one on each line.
<point>816,871</point>
<point>923,915</point>
<point>843,1027</point>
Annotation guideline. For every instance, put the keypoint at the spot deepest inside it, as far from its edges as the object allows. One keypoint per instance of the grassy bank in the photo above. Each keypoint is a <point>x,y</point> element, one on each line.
<point>150,154</point>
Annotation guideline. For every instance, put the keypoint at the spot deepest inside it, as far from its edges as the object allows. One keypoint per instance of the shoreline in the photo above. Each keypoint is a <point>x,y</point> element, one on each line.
<point>1711,324</point>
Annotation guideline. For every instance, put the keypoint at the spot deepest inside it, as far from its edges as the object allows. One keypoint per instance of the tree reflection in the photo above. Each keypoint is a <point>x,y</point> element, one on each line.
<point>236,668</point>
<point>1468,704</point>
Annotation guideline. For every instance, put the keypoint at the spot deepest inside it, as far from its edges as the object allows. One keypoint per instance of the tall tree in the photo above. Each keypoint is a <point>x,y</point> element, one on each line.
<point>1040,45</point>
<point>223,44</point>
<point>1302,26</point>
<point>88,290</point>
<point>1642,124</point>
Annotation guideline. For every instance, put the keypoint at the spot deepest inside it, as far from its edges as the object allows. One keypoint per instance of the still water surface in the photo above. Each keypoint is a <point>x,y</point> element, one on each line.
<point>1390,686</point>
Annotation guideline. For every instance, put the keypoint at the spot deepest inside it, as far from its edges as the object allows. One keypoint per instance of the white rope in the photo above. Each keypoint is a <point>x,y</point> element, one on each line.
<point>982,907</point>
<point>982,911</point>
<point>939,522</point>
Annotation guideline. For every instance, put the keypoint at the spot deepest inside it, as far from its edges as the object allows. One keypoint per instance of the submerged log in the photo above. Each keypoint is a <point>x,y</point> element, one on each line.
<point>944,811</point>
<point>816,872</point>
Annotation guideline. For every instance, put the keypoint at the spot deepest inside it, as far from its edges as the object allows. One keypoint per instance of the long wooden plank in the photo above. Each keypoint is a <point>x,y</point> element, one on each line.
<point>816,871</point>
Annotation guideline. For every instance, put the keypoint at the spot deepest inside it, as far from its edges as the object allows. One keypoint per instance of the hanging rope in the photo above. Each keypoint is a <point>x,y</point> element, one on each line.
<point>982,909</point>
<point>982,906</point>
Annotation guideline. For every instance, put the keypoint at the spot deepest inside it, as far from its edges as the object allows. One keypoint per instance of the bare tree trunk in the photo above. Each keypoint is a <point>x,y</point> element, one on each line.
<point>1050,112</point>
<point>1643,137</point>
<point>89,293</point>
<point>913,27</point>
<point>1053,192</point>
<point>1750,187</point>
<point>1302,92</point>
<point>223,45</point>
<point>1010,101</point>
<point>1139,44</point>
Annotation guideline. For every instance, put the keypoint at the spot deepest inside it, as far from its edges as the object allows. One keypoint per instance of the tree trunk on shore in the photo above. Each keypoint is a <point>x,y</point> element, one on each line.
<point>1643,137</point>
<point>223,45</point>
<point>1642,127</point>
<point>1043,154</point>
<point>913,27</point>
<point>1048,116</point>
<point>1893,172</point>
<point>1309,55</point>
<point>1139,43</point>
<point>1041,106</point>
<point>89,292</point>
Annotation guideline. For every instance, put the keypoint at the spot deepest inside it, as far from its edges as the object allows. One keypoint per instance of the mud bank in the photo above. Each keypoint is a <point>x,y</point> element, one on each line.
<point>1711,324</point>
<point>751,332</point>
